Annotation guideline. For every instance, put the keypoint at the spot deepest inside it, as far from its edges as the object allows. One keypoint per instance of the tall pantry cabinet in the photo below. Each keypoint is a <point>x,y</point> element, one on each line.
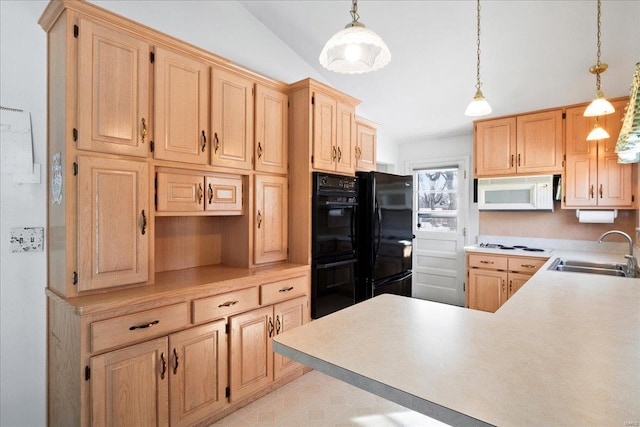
<point>322,135</point>
<point>167,219</point>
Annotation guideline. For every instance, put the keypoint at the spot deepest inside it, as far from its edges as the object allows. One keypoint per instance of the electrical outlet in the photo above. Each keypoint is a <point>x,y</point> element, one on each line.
<point>30,239</point>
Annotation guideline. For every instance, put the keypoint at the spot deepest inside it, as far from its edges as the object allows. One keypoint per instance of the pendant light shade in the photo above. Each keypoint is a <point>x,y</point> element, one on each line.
<point>598,132</point>
<point>479,105</point>
<point>599,106</point>
<point>355,49</point>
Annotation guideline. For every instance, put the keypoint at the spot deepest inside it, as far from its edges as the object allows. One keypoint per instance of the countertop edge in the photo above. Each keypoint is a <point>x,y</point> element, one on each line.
<point>426,407</point>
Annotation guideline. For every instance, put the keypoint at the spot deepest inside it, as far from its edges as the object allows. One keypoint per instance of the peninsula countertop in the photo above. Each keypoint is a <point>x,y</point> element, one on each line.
<point>565,349</point>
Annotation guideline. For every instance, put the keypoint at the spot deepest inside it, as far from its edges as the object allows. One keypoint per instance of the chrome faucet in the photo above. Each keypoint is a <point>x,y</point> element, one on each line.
<point>632,263</point>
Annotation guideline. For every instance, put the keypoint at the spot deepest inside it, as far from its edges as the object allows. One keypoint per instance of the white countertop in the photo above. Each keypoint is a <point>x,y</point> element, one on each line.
<point>564,350</point>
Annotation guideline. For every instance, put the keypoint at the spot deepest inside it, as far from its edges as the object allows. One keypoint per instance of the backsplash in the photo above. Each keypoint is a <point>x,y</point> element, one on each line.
<point>559,224</point>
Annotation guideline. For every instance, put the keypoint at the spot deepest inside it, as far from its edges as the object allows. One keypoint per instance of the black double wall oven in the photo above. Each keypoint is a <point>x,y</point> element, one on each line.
<point>333,251</point>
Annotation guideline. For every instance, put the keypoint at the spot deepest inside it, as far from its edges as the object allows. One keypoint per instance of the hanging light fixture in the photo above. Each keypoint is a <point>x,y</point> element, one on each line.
<point>598,132</point>
<point>355,49</point>
<point>479,106</point>
<point>599,106</point>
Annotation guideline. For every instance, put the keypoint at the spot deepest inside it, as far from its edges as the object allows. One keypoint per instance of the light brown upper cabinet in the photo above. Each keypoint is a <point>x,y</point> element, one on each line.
<point>181,108</point>
<point>272,130</point>
<point>231,119</point>
<point>113,91</point>
<point>526,144</point>
<point>270,231</point>
<point>190,192</point>
<point>334,134</point>
<point>365,151</point>
<point>113,215</point>
<point>593,176</point>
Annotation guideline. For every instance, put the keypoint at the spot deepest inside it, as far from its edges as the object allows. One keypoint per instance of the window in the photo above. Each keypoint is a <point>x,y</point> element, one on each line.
<point>438,199</point>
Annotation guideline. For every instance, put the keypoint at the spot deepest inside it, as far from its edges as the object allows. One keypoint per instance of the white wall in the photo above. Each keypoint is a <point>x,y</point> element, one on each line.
<point>23,275</point>
<point>225,28</point>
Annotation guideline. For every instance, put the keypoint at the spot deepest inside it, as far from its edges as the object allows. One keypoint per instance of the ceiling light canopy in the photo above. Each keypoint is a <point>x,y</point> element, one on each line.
<point>599,106</point>
<point>479,106</point>
<point>355,49</point>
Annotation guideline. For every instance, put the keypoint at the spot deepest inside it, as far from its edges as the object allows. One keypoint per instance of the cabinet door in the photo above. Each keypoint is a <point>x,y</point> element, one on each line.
<point>325,151</point>
<point>288,315</point>
<point>365,147</point>
<point>271,237</point>
<point>487,289</point>
<point>198,372</point>
<point>113,211</point>
<point>224,194</point>
<point>272,130</point>
<point>129,387</point>
<point>615,185</point>
<point>581,169</point>
<point>251,357</point>
<point>232,120</point>
<point>345,138</point>
<point>539,142</point>
<point>180,192</point>
<point>516,280</point>
<point>495,147</point>
<point>181,107</point>
<point>113,91</point>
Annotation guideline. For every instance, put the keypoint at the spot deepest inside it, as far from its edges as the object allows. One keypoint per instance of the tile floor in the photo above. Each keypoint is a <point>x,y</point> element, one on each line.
<point>316,399</point>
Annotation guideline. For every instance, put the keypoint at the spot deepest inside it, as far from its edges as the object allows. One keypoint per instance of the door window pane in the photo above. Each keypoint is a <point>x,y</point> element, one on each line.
<point>438,199</point>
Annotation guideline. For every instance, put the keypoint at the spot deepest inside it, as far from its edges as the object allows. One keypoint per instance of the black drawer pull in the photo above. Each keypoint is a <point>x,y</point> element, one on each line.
<point>145,326</point>
<point>228,304</point>
<point>290,288</point>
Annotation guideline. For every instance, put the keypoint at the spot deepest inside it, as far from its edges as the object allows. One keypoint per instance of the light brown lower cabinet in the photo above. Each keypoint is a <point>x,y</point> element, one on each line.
<point>175,380</point>
<point>254,365</point>
<point>190,360</point>
<point>493,279</point>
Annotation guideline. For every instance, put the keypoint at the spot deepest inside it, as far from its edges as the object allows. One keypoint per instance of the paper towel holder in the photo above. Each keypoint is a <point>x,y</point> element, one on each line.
<point>615,215</point>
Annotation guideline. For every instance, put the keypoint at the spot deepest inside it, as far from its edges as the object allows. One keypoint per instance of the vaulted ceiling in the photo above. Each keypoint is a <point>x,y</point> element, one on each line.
<point>535,55</point>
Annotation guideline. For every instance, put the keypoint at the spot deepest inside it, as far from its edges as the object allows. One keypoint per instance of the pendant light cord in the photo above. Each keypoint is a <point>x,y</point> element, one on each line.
<point>598,63</point>
<point>478,84</point>
<point>354,11</point>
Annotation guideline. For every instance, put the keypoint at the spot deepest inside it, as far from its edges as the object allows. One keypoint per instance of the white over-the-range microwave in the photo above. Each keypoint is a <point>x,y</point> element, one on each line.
<point>523,193</point>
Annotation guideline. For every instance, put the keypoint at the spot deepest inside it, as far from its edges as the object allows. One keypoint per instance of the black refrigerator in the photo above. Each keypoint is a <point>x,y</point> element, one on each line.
<point>384,234</point>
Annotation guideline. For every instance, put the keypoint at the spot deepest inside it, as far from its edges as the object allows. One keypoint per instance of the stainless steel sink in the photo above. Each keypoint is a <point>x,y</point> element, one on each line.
<point>607,269</point>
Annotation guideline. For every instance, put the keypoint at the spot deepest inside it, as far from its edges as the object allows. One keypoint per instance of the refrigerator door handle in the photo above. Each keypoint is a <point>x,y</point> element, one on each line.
<point>378,226</point>
<point>337,263</point>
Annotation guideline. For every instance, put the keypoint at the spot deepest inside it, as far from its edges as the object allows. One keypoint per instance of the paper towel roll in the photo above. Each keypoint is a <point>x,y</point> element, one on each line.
<point>596,216</point>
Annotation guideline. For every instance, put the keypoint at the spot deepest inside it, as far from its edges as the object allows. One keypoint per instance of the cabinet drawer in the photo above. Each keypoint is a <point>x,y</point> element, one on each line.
<point>487,261</point>
<point>123,330</point>
<point>222,305</point>
<point>224,194</point>
<point>282,290</point>
<point>525,265</point>
<point>180,192</point>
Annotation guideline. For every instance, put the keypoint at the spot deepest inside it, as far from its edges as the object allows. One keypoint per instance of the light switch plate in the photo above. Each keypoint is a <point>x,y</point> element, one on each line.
<point>30,239</point>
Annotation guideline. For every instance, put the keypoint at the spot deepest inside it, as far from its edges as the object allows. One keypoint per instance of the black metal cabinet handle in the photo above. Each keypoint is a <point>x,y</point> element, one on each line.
<point>204,141</point>
<point>164,366</point>
<point>290,288</point>
<point>175,361</point>
<point>144,222</point>
<point>216,142</point>
<point>210,193</point>
<point>228,304</point>
<point>259,150</point>
<point>270,327</point>
<point>144,326</point>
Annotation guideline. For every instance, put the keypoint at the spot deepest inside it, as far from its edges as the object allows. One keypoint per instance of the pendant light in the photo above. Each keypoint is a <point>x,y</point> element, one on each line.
<point>598,132</point>
<point>355,49</point>
<point>479,106</point>
<point>599,106</point>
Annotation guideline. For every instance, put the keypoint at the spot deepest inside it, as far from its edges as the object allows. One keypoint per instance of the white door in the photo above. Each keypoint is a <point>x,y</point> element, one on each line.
<point>440,221</point>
